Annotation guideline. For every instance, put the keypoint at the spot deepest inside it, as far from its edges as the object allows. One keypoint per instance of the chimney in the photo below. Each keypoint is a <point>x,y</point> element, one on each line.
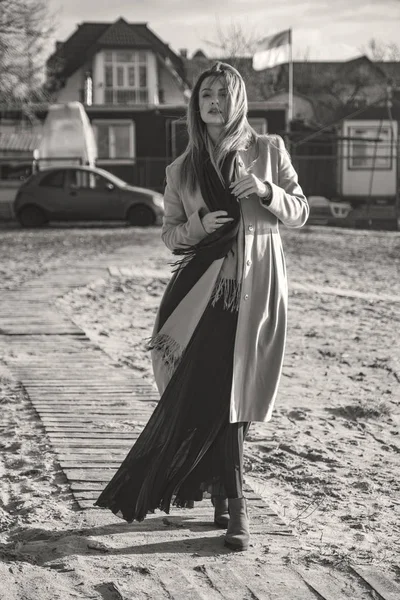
<point>183,52</point>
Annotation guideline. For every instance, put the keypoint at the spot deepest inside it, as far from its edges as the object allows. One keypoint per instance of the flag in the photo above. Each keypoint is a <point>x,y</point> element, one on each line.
<point>271,51</point>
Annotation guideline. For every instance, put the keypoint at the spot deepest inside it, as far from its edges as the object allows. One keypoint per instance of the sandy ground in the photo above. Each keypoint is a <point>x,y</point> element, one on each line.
<point>328,462</point>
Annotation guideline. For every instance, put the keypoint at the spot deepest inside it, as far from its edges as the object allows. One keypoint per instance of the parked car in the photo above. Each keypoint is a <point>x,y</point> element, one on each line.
<point>84,194</point>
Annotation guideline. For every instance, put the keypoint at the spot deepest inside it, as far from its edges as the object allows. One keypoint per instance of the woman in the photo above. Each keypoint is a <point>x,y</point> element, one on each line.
<point>219,337</point>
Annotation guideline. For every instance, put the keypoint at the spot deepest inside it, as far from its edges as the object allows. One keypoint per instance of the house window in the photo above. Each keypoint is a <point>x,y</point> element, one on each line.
<point>115,140</point>
<point>260,125</point>
<point>126,77</point>
<point>370,148</point>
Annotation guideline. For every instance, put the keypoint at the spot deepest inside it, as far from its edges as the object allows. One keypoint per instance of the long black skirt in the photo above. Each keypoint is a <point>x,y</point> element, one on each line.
<point>181,451</point>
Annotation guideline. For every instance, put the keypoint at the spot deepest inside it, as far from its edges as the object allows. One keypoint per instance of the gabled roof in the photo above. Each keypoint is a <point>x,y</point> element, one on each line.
<point>258,82</point>
<point>19,142</point>
<point>339,68</point>
<point>307,68</point>
<point>89,38</point>
<point>121,34</point>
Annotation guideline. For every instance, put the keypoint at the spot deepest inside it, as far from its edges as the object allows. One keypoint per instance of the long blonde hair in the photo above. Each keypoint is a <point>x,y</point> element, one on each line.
<point>236,133</point>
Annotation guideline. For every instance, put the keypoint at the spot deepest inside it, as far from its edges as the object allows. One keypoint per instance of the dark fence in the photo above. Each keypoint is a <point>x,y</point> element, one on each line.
<point>318,171</point>
<point>145,172</point>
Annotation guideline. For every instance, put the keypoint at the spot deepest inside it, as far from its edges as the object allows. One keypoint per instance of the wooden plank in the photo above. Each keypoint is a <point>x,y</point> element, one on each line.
<point>81,417</point>
<point>86,486</point>
<point>91,454</point>
<point>106,464</point>
<point>91,436</point>
<point>256,583</point>
<point>94,410</point>
<point>283,582</point>
<point>77,381</point>
<point>84,387</point>
<point>225,581</point>
<point>91,461</point>
<point>65,443</point>
<point>81,421</point>
<point>76,409</point>
<point>92,428</point>
<point>104,432</point>
<point>87,397</point>
<point>89,495</point>
<point>101,403</point>
<point>87,504</point>
<point>177,584</point>
<point>321,581</point>
<point>95,418</point>
<point>81,475</point>
<point>49,420</point>
<point>64,395</point>
<point>379,581</point>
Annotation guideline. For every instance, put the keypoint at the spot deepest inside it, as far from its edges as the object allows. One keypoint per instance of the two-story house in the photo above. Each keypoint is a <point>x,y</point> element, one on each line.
<point>135,91</point>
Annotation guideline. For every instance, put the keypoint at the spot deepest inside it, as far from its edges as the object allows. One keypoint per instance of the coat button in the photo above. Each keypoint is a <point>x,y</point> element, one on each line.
<point>246,296</point>
<point>251,228</point>
<point>248,263</point>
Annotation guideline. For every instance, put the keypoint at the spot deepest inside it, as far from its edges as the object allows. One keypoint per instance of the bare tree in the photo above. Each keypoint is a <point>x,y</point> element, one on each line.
<point>25,28</point>
<point>236,46</point>
<point>379,51</point>
<point>233,41</point>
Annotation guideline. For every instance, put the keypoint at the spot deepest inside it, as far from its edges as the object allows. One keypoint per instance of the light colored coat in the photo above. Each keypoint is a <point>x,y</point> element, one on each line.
<point>261,331</point>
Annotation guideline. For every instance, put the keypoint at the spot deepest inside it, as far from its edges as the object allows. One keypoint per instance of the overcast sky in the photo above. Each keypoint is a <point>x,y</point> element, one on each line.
<point>325,29</point>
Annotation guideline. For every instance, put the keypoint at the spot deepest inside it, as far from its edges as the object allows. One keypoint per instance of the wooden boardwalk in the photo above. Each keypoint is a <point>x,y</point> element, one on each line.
<point>92,412</point>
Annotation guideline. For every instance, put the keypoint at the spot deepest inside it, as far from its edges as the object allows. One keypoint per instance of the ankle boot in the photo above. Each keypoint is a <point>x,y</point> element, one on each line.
<point>238,535</point>
<point>221,514</point>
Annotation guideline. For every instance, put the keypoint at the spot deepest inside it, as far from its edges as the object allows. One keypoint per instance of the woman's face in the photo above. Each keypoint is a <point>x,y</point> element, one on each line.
<point>213,97</point>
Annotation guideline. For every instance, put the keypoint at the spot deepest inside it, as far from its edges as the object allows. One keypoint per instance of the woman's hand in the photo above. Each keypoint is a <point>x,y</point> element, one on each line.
<point>249,184</point>
<point>214,220</point>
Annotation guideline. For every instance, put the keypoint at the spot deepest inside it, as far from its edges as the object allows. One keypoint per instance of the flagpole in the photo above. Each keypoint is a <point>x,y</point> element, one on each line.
<point>290,89</point>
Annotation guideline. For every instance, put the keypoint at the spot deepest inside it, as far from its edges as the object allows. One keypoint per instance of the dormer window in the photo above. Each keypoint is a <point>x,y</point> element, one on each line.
<point>126,77</point>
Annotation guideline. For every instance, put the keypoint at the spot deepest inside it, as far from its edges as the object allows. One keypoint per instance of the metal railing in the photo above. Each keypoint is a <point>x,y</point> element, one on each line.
<point>126,96</point>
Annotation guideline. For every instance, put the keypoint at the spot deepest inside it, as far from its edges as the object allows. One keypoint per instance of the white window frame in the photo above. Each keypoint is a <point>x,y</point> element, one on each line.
<point>383,153</point>
<point>125,66</point>
<point>132,150</point>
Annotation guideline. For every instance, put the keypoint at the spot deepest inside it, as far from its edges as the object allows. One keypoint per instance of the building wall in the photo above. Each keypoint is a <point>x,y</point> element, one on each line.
<point>153,140</point>
<point>172,93</point>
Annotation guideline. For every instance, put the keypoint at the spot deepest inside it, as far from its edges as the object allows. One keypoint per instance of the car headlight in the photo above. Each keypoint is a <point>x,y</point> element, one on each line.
<point>158,200</point>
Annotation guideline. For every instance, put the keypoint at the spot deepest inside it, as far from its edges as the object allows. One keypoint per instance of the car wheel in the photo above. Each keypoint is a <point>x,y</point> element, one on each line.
<point>141,215</point>
<point>31,216</point>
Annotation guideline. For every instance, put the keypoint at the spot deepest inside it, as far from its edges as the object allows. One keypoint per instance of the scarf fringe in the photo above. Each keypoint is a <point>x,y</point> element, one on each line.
<point>169,349</point>
<point>229,290</point>
<point>181,263</point>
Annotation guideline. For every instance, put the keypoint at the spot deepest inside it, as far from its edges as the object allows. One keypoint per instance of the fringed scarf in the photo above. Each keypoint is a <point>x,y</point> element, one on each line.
<point>177,315</point>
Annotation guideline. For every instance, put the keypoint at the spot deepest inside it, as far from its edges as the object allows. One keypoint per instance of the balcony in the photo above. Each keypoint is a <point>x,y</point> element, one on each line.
<point>123,96</point>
